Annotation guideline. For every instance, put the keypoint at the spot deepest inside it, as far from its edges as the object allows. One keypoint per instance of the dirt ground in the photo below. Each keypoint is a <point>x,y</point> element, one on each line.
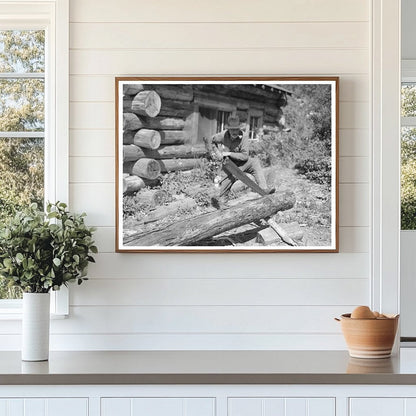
<point>311,213</point>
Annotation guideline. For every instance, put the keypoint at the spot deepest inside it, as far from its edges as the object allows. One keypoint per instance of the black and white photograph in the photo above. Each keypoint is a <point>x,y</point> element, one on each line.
<point>227,164</point>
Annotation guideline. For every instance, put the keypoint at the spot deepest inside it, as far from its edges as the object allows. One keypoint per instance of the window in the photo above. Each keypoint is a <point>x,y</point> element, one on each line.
<point>408,156</point>
<point>254,126</point>
<point>33,111</point>
<point>22,124</point>
<point>222,118</point>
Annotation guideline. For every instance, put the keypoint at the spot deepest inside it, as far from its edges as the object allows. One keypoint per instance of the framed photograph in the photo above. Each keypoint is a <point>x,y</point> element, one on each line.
<point>235,164</point>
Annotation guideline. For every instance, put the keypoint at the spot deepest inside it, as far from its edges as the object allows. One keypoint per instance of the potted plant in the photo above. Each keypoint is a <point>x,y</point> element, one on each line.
<point>40,252</point>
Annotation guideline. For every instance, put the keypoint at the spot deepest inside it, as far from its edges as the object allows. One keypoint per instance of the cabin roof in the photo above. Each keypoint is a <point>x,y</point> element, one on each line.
<point>276,87</point>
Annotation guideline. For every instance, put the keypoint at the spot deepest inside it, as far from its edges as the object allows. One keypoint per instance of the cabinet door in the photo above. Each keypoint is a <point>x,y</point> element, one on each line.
<point>44,407</point>
<point>382,406</point>
<point>269,406</point>
<point>146,406</point>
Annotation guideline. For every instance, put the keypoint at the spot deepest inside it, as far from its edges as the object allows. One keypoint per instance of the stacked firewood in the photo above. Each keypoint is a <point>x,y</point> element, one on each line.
<point>155,140</point>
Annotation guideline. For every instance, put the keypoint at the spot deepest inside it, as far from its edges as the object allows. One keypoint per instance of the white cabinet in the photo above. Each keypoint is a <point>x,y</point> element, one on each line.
<point>270,406</point>
<point>160,406</point>
<point>44,407</point>
<point>382,406</point>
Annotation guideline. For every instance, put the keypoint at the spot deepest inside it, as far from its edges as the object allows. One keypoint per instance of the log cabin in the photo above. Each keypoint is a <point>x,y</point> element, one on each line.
<point>186,113</point>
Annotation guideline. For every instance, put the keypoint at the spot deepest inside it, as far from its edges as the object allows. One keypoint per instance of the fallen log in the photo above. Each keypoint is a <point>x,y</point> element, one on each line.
<point>177,152</point>
<point>146,103</point>
<point>191,230</point>
<point>132,183</point>
<point>269,236</point>
<point>145,168</point>
<point>132,89</point>
<point>152,197</point>
<point>132,121</point>
<point>148,139</point>
<point>162,212</point>
<point>172,165</point>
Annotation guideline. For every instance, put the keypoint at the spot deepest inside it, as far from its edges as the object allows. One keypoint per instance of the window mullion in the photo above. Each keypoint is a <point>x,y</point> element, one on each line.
<point>22,134</point>
<point>22,75</point>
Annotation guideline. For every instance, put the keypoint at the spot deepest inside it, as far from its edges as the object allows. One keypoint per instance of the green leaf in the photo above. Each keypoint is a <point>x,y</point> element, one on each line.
<point>56,262</point>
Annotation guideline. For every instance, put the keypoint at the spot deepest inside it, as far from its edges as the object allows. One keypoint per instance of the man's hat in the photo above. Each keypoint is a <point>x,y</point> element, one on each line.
<point>233,122</point>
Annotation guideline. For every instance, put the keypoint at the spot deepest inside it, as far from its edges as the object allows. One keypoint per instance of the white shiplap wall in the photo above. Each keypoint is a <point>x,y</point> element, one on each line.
<point>181,301</point>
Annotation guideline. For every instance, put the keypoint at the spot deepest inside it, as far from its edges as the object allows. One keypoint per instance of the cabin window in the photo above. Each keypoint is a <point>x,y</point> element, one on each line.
<point>254,126</point>
<point>222,117</point>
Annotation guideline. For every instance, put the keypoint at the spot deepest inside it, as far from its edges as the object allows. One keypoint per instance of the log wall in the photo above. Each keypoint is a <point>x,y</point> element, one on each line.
<point>160,121</point>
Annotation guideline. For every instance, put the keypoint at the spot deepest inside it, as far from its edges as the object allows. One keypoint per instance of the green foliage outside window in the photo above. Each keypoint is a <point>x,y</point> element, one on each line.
<point>408,160</point>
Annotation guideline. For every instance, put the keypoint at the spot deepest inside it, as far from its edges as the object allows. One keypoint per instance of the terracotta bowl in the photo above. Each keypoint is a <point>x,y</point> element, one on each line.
<point>369,338</point>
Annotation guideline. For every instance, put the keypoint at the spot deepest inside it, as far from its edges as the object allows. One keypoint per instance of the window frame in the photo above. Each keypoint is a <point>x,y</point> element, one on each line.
<point>53,17</point>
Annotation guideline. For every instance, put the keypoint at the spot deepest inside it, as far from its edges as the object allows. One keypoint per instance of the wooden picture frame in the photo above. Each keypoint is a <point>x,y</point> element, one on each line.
<point>227,164</point>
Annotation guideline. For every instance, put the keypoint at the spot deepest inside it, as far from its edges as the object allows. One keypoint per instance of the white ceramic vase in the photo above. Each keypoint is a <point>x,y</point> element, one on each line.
<point>35,326</point>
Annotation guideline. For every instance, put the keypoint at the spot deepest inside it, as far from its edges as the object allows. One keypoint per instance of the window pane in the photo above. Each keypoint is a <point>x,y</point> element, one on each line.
<point>408,178</point>
<point>222,118</point>
<point>22,105</point>
<point>22,51</point>
<point>21,182</point>
<point>408,100</point>
<point>21,174</point>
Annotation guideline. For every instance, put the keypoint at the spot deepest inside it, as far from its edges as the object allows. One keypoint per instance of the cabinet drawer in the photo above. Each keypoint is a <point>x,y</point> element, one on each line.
<point>377,406</point>
<point>160,406</point>
<point>44,407</point>
<point>280,406</point>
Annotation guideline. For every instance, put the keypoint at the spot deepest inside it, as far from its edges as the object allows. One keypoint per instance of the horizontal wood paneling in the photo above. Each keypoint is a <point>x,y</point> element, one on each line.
<point>354,142</point>
<point>221,35</point>
<point>352,239</point>
<point>354,208</point>
<point>92,169</point>
<point>201,319</point>
<point>146,342</point>
<point>218,11</point>
<point>92,116</point>
<point>354,115</point>
<point>99,88</point>
<point>95,143</point>
<point>96,199</point>
<point>219,62</point>
<point>194,320</point>
<point>354,170</point>
<point>266,265</point>
<point>220,291</point>
<point>299,37</point>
